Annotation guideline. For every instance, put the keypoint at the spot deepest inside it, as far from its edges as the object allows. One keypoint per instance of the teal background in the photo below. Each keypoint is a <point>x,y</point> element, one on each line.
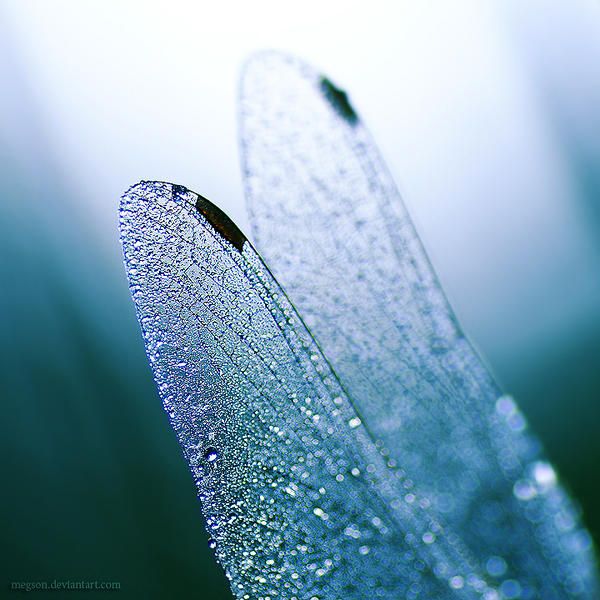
<point>94,486</point>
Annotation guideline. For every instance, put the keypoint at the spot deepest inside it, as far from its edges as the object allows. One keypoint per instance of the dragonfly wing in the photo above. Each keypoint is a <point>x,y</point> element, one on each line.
<point>330,223</point>
<point>298,498</point>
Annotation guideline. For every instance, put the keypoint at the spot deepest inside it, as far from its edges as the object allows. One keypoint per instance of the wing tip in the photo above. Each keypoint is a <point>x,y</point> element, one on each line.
<point>259,57</point>
<point>260,61</point>
<point>147,190</point>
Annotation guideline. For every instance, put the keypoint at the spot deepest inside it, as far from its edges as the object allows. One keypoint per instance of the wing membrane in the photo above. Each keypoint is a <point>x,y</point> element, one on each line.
<point>331,225</point>
<point>300,500</point>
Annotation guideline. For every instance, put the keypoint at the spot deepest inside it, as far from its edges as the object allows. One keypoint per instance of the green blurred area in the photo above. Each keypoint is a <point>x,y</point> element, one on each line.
<point>95,486</point>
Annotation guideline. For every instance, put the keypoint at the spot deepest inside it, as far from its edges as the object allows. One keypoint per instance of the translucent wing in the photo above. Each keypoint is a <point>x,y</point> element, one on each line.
<point>330,224</point>
<point>298,498</point>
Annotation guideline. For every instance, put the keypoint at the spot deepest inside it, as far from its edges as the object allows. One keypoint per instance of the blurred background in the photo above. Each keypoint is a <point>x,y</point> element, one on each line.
<point>488,113</point>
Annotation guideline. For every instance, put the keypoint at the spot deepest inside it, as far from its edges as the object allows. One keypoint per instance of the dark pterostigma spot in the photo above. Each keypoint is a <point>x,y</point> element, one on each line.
<point>221,222</point>
<point>339,100</point>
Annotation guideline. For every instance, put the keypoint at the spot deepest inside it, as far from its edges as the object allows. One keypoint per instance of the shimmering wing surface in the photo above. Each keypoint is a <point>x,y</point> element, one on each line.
<point>330,224</point>
<point>299,500</point>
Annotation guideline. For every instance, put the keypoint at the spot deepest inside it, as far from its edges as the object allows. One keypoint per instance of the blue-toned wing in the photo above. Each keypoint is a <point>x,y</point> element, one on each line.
<point>299,499</point>
<point>330,224</point>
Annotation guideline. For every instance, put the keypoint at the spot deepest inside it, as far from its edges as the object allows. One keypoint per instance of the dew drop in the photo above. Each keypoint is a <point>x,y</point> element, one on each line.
<point>505,406</point>
<point>544,474</point>
<point>524,490</point>
<point>511,589</point>
<point>496,566</point>
<point>211,454</point>
<point>429,537</point>
<point>354,422</point>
